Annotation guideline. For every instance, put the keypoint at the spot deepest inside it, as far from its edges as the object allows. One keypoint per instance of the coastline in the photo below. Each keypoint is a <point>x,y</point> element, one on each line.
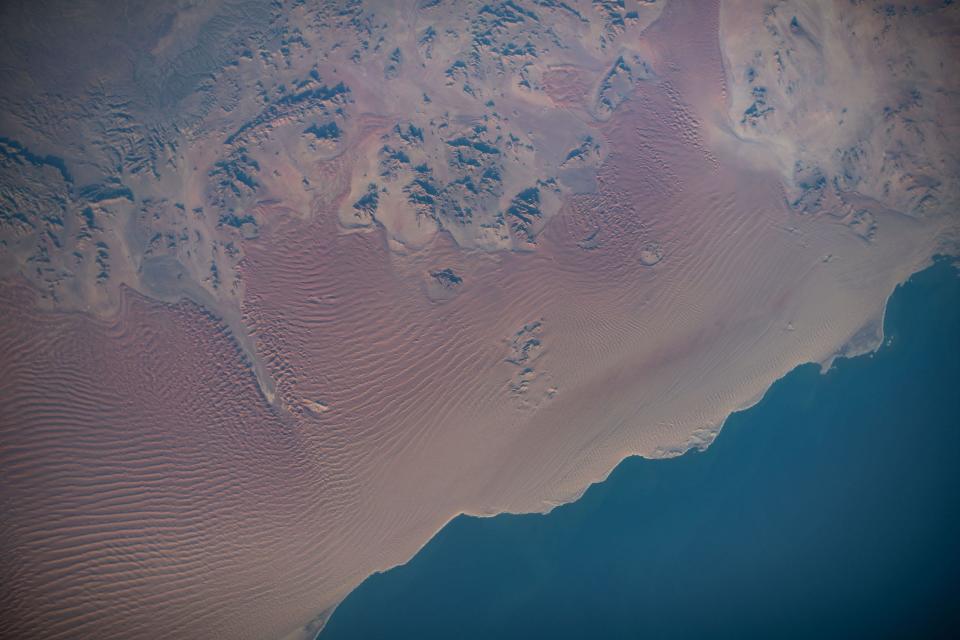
<point>323,407</point>
<point>952,261</point>
<point>824,367</point>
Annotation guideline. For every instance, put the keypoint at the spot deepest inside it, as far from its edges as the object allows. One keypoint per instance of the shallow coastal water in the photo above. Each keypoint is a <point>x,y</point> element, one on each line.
<point>828,509</point>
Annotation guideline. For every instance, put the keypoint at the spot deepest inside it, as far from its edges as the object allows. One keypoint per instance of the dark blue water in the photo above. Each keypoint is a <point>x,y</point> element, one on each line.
<point>830,509</point>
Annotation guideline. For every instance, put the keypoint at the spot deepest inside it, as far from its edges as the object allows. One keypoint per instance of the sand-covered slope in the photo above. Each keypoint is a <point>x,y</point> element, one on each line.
<point>396,288</point>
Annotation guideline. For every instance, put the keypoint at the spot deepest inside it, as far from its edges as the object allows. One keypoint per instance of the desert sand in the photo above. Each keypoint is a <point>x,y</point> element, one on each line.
<point>228,452</point>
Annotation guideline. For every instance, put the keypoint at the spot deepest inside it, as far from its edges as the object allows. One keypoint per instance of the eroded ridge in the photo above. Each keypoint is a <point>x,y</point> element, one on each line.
<point>347,271</point>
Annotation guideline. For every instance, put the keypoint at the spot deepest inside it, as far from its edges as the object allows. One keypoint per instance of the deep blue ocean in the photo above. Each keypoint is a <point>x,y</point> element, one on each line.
<point>829,509</point>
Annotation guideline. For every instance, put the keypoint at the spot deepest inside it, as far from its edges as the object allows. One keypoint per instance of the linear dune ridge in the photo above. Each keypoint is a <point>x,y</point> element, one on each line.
<point>150,488</point>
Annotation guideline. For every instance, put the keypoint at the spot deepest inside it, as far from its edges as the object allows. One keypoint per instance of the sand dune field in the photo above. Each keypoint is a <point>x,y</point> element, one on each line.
<point>181,463</point>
